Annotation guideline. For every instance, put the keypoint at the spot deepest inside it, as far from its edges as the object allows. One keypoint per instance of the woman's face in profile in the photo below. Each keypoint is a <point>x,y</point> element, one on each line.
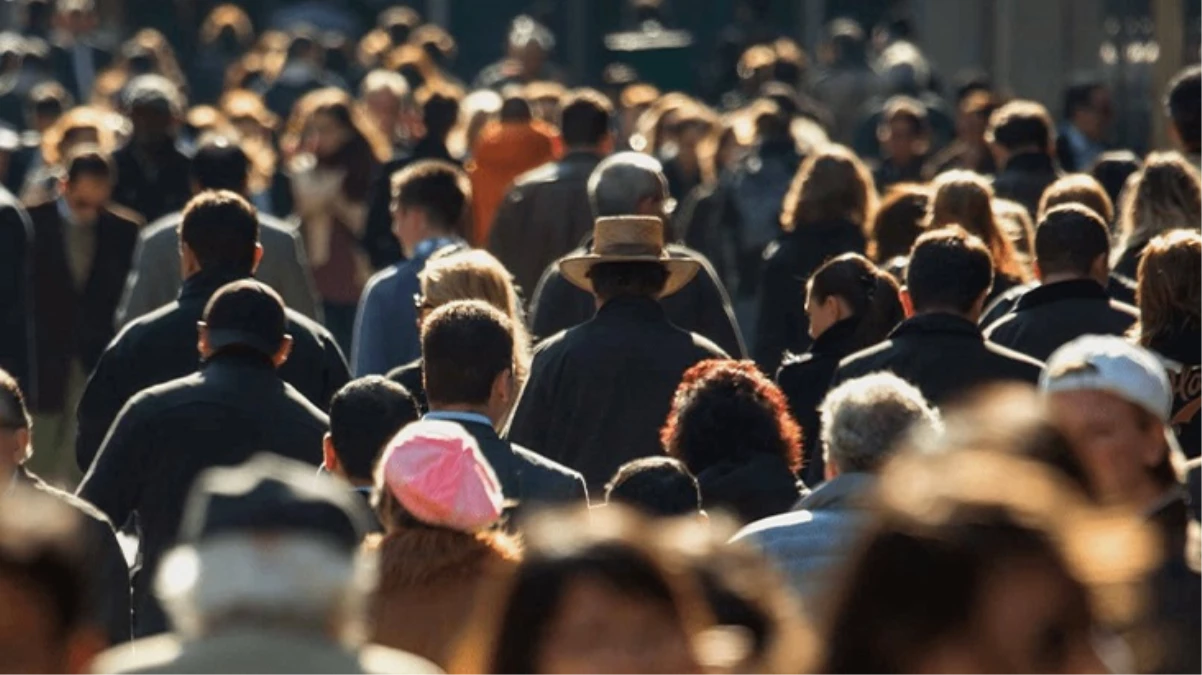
<point>598,628</point>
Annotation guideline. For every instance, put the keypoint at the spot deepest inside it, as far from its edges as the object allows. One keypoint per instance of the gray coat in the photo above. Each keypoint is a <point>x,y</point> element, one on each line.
<point>154,278</point>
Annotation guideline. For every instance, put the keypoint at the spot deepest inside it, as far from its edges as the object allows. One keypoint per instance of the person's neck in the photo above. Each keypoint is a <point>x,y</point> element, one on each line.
<point>1056,278</point>
<point>945,311</point>
<point>476,409</point>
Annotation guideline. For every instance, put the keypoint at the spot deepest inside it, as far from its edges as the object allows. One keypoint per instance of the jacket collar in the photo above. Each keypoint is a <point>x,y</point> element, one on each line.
<point>845,491</point>
<point>1074,289</point>
<point>245,368</point>
<point>201,286</point>
<point>1030,162</point>
<point>837,338</point>
<point>938,323</point>
<point>461,417</point>
<point>631,308</point>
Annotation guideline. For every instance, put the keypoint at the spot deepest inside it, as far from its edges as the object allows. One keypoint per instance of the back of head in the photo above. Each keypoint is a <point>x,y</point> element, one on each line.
<point>908,110</point>
<point>898,221</point>
<point>469,275</point>
<point>465,345</point>
<point>950,270</point>
<point>832,185</point>
<point>440,109</point>
<point>622,181</point>
<point>1081,189</point>
<point>657,486</point>
<point>440,189</point>
<point>965,198</point>
<point>1170,287</point>
<point>221,229</point>
<point>364,415</point>
<point>220,164</point>
<point>1022,126</point>
<point>870,293</point>
<point>865,420</point>
<point>515,108</point>
<point>846,40</point>
<point>1069,241</point>
<point>89,161</point>
<point>1183,102</point>
<point>1164,195</point>
<point>1112,169</point>
<point>584,120</point>
<point>1078,93</point>
<point>385,81</point>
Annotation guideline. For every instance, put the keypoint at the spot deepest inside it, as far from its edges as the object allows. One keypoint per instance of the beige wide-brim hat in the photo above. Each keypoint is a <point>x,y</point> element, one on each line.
<point>629,239</point>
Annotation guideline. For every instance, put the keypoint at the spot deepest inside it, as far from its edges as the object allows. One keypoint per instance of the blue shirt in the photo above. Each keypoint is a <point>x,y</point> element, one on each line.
<point>386,322</point>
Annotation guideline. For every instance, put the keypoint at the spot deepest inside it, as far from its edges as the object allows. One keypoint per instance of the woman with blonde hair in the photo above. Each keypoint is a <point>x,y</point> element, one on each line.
<point>826,212</point>
<point>457,274</point>
<point>1164,195</point>
<point>79,126</point>
<point>965,198</point>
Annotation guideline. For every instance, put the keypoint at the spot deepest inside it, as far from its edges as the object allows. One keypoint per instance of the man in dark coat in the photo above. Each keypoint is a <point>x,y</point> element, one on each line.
<point>219,235</point>
<point>633,183</point>
<point>468,357</point>
<point>940,349</point>
<point>16,288</point>
<point>236,406</point>
<point>598,393</point>
<point>110,592</point>
<point>546,213</point>
<point>77,58</point>
<point>153,176</point>
<point>1072,253</point>
<point>1022,137</point>
<point>82,249</point>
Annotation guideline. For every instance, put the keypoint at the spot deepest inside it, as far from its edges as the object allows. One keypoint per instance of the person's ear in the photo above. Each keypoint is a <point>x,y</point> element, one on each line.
<point>283,352</point>
<point>1037,270</point>
<point>1099,269</point>
<point>907,302</point>
<point>502,387</point>
<point>188,264</point>
<point>978,307</point>
<point>329,458</point>
<point>254,267</point>
<point>202,343</point>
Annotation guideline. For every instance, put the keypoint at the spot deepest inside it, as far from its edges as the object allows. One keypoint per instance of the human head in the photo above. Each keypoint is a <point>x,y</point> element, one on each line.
<point>399,22</point>
<point>219,232</point>
<point>430,198</point>
<point>228,28</point>
<point>154,105</point>
<point>46,104</point>
<point>1072,242</point>
<point>1184,110</point>
<point>898,221</point>
<point>437,43</point>
<point>1114,400</point>
<point>904,130</point>
<point>439,104</point>
<point>219,164</point>
<point>1018,127</point>
<point>273,544</point>
<point>1015,222</point>
<point>728,411</point>
<point>1169,290</point>
<point>1164,195</point>
<point>468,358</point>
<point>865,420</point>
<point>1087,106</point>
<point>832,184</point>
<point>327,123</point>
<point>628,183</point>
<point>850,286</point>
<point>364,414</point>
<point>246,319</point>
<point>15,426</point>
<point>82,125</point>
<point>88,183</point>
<point>1111,170</point>
<point>972,119</point>
<point>845,43</point>
<point>77,17</point>
<point>950,271</point>
<point>584,121</point>
<point>516,109</point>
<point>44,586</point>
<point>385,94</point>
<point>965,198</point>
<point>657,486</point>
<point>1077,188</point>
<point>529,42</point>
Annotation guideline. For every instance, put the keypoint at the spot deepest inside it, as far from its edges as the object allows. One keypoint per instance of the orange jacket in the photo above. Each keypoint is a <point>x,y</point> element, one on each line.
<point>504,151</point>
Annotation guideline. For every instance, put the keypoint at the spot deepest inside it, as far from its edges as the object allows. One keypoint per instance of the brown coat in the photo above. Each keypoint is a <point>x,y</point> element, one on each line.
<point>429,579</point>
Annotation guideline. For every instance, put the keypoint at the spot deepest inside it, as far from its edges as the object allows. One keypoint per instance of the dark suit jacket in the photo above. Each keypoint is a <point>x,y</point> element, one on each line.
<point>234,408</point>
<point>945,356</point>
<point>1046,317</point>
<point>409,376</point>
<point>16,293</point>
<point>64,68</point>
<point>161,346</point>
<point>152,195</point>
<point>598,393</point>
<point>69,323</point>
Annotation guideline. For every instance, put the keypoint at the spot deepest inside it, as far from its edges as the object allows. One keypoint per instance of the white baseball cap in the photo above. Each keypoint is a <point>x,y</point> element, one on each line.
<point>1113,365</point>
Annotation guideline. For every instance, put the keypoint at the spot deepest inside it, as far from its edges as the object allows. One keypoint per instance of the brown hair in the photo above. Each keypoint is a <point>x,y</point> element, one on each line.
<point>965,198</point>
<point>73,122</point>
<point>229,16</point>
<point>1077,188</point>
<point>363,151</point>
<point>1164,195</point>
<point>870,292</point>
<point>898,221</point>
<point>1170,287</point>
<point>832,184</point>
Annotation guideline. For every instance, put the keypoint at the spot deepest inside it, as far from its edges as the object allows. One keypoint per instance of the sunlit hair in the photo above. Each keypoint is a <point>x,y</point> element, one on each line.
<point>242,107</point>
<point>365,146</point>
<point>1164,195</point>
<point>1077,188</point>
<point>477,275</point>
<point>81,124</point>
<point>227,16</point>
<point>1015,222</point>
<point>830,185</point>
<point>870,292</point>
<point>898,221</point>
<point>965,198</point>
<point>653,125</point>
<point>1169,289</point>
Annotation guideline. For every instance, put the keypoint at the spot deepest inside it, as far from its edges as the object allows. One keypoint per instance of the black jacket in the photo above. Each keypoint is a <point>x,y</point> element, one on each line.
<point>945,356</point>
<point>701,306</point>
<point>1119,289</point>
<point>1025,178</point>
<point>789,262</point>
<point>152,192</point>
<point>598,393</point>
<point>234,408</point>
<point>109,590</point>
<point>16,293</point>
<point>805,379</point>
<point>1048,316</point>
<point>382,246</point>
<point>761,487</point>
<point>161,346</point>
<point>63,60</point>
<point>1182,352</point>
<point>409,376</point>
<point>545,214</point>
<point>1127,266</point>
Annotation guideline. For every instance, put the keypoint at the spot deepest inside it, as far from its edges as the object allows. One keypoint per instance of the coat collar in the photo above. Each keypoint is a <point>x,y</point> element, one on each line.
<point>847,490</point>
<point>1075,289</point>
<point>631,308</point>
<point>201,286</point>
<point>1030,162</point>
<point>938,323</point>
<point>837,338</point>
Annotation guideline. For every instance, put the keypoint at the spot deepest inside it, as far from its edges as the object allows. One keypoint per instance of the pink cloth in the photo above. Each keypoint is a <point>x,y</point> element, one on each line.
<point>436,471</point>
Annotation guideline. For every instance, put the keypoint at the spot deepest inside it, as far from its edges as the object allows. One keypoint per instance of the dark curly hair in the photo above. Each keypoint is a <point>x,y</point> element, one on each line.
<point>729,411</point>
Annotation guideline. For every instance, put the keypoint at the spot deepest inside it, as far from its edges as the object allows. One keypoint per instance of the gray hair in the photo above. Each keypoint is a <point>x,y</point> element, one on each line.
<point>864,420</point>
<point>624,179</point>
<point>381,80</point>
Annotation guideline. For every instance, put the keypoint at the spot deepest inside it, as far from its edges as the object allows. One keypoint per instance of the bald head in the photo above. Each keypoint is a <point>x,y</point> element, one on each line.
<point>628,183</point>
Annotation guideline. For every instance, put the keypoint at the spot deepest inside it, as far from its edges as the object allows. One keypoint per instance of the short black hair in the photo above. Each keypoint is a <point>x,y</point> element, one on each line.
<point>1078,93</point>
<point>220,164</point>
<point>1069,239</point>
<point>13,412</point>
<point>438,188</point>
<point>49,99</point>
<point>221,228</point>
<point>364,415</point>
<point>1183,102</point>
<point>516,108</point>
<point>658,486</point>
<point>1021,124</point>
<point>949,268</point>
<point>640,279</point>
<point>440,110</point>
<point>585,118</point>
<point>89,160</point>
<point>466,344</point>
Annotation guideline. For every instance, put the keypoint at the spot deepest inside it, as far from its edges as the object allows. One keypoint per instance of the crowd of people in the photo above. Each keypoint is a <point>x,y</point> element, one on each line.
<point>314,358</point>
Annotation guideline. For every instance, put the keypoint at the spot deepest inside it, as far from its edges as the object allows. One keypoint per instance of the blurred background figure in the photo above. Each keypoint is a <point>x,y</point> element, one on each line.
<point>1088,117</point>
<point>655,486</point>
